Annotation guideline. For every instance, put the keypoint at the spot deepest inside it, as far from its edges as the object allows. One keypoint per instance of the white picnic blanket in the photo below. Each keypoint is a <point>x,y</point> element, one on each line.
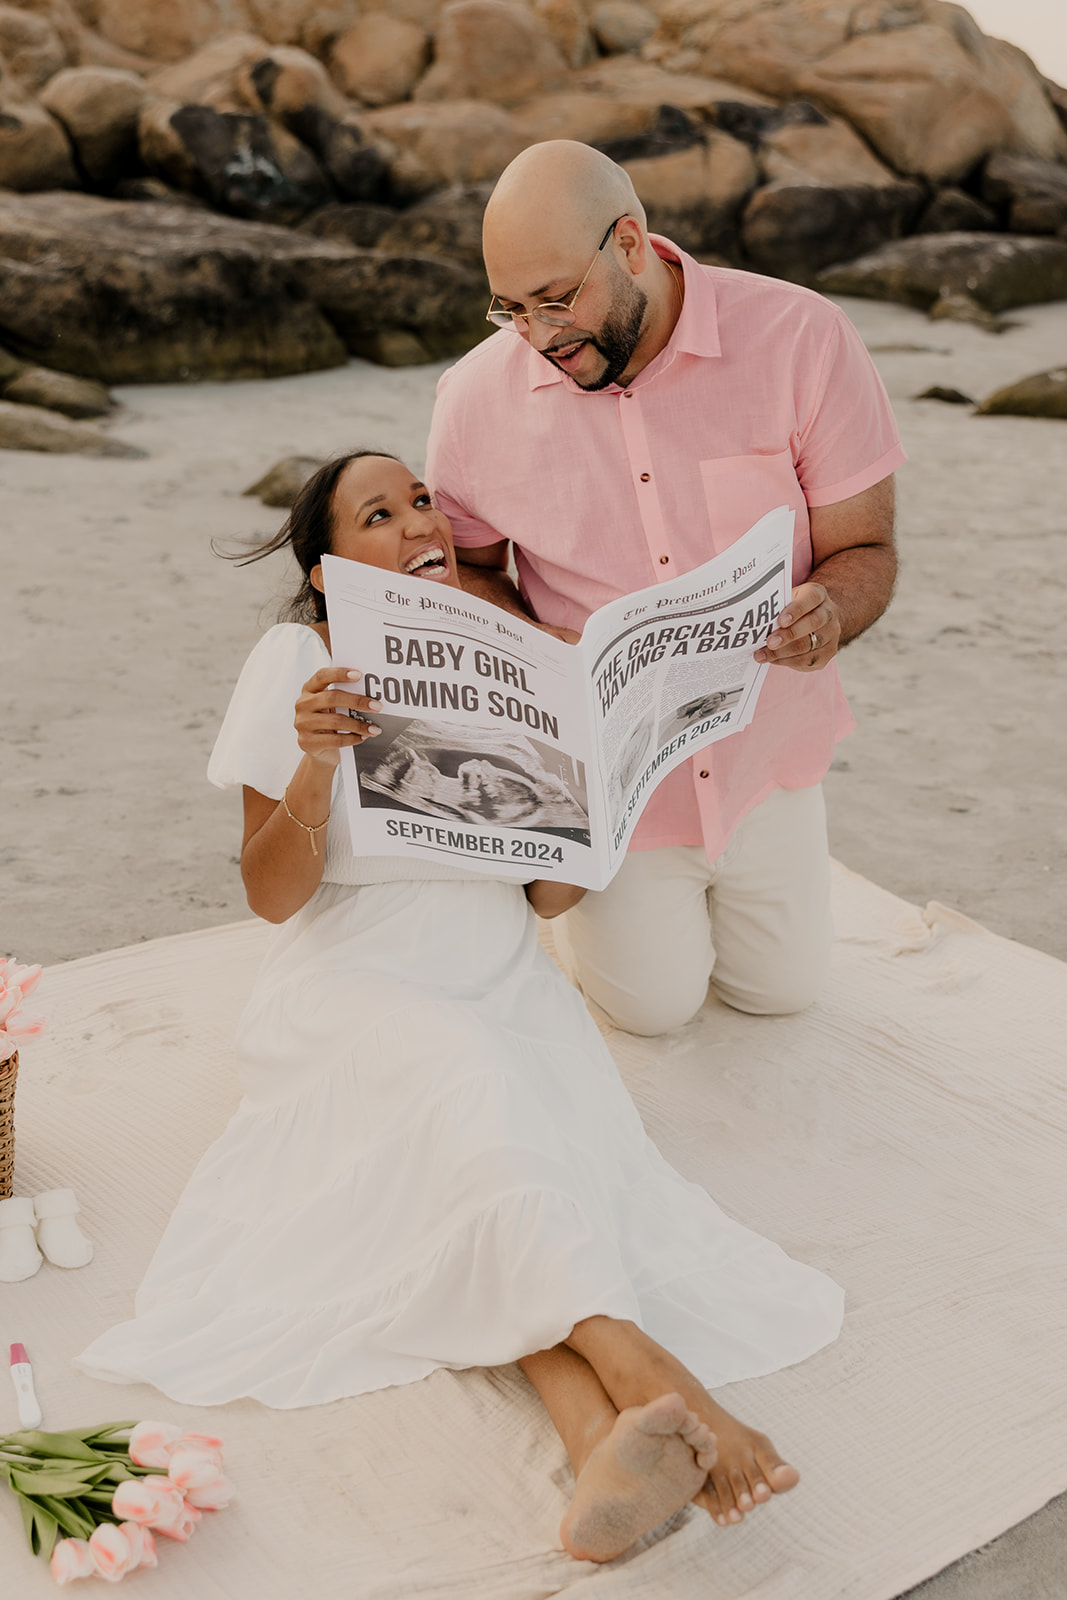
<point>906,1134</point>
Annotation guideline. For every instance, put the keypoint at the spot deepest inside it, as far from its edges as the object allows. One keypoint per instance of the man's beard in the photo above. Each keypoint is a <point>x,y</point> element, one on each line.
<point>617,339</point>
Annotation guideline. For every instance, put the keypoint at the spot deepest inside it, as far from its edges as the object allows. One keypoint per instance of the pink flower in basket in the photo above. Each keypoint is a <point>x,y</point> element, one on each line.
<point>16,982</point>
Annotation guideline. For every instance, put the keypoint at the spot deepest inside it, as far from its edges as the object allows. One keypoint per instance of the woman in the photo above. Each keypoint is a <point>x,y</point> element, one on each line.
<point>435,1162</point>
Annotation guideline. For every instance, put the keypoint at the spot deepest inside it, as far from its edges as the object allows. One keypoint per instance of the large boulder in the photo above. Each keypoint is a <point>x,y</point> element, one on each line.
<point>241,163</point>
<point>588,118</point>
<point>997,271</point>
<point>167,30</point>
<point>568,28</point>
<point>642,82</point>
<point>447,224</point>
<point>400,309</point>
<point>281,485</point>
<point>128,293</point>
<point>30,47</point>
<point>793,230</point>
<point>456,141</point>
<point>622,26</point>
<point>917,78</point>
<point>213,75</point>
<point>79,398</point>
<point>287,82</point>
<point>380,58</point>
<point>492,50</point>
<point>952,210</point>
<point>34,151</point>
<point>354,223</point>
<point>1042,395</point>
<point>827,152</point>
<point>693,195</point>
<point>32,428</point>
<point>1032,193</point>
<point>99,107</point>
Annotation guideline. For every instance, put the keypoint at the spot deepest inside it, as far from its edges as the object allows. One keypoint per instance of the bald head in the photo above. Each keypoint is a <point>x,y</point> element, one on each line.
<point>552,204</point>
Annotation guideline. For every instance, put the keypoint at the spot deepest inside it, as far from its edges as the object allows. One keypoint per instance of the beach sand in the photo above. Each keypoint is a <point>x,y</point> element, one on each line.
<point>122,635</point>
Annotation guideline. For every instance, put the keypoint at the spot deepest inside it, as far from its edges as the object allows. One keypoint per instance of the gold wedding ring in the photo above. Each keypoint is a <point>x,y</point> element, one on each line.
<point>814,637</point>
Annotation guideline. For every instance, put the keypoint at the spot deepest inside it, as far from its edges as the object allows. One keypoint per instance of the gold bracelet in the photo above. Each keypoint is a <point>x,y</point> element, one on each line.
<point>310,831</point>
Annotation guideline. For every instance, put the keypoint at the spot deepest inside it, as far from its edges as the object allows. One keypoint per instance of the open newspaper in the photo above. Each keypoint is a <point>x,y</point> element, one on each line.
<point>514,754</point>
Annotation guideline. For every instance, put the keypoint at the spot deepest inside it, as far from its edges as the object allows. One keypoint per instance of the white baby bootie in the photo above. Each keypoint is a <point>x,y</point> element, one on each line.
<point>19,1255</point>
<point>58,1235</point>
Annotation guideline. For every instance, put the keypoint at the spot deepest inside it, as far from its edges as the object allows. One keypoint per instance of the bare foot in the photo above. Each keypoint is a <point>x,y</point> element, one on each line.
<point>655,1459</point>
<point>748,1469</point>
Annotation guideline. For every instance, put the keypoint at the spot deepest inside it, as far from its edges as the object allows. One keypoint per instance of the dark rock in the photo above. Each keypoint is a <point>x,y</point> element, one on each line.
<point>794,230</point>
<point>960,307</point>
<point>59,391</point>
<point>281,485</point>
<point>950,397</point>
<point>694,195</point>
<point>357,168</point>
<point>34,150</point>
<point>99,108</point>
<point>10,366</point>
<point>1033,193</point>
<point>154,191</point>
<point>1042,395</point>
<point>136,294</point>
<point>996,270</point>
<point>955,211</point>
<point>750,123</point>
<point>438,307</point>
<point>31,428</point>
<point>446,224</point>
<point>240,169</point>
<point>672,129</point>
<point>358,225</point>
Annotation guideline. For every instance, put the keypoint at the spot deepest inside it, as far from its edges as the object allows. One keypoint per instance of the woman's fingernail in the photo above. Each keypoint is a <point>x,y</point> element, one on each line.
<point>354,676</point>
<point>374,705</point>
<point>373,728</point>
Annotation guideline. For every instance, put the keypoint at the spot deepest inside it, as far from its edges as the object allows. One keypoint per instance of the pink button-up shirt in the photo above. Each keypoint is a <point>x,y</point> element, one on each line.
<point>764,396</point>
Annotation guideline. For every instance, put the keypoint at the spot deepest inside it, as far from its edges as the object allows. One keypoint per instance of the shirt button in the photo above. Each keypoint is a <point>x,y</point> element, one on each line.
<point>646,477</point>
<point>704,774</point>
<point>663,560</point>
<point>627,394</point>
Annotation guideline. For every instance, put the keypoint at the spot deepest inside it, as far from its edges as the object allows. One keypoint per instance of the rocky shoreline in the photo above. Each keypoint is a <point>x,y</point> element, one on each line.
<point>247,188</point>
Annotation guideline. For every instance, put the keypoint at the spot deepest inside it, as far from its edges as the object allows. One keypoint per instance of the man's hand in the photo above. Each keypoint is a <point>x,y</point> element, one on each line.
<point>849,586</point>
<point>807,633</point>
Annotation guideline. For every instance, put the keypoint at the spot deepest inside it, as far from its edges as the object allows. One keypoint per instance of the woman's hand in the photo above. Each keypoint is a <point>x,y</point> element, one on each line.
<point>323,720</point>
<point>549,898</point>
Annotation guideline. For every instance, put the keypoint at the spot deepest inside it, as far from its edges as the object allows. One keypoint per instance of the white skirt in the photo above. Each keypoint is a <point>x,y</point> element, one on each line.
<point>436,1164</point>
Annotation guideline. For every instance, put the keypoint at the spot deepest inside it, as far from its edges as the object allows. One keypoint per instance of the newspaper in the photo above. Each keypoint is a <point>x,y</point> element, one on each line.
<point>514,754</point>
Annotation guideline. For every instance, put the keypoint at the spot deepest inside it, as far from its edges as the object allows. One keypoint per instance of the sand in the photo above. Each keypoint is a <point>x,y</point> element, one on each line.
<point>123,633</point>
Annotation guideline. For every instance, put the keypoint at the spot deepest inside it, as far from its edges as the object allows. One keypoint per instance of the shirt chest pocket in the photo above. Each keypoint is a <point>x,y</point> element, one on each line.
<point>738,490</point>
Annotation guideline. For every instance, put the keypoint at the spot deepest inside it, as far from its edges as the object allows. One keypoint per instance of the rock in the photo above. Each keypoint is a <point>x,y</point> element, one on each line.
<point>30,428</point>
<point>281,485</point>
<point>1033,193</point>
<point>641,82</point>
<point>358,225</point>
<point>824,152</point>
<point>753,121</point>
<point>213,75</point>
<point>998,270</point>
<point>380,58</point>
<point>693,196</point>
<point>794,230</point>
<point>568,28</point>
<point>960,307</point>
<point>354,162</point>
<point>447,224</point>
<point>153,191</point>
<point>10,366</point>
<point>588,118</point>
<point>241,163</point>
<point>59,391</point>
<point>954,211</point>
<point>91,49</point>
<point>622,25</point>
<point>492,50</point>
<point>126,293</point>
<point>1043,395</point>
<point>459,141</point>
<point>327,20</point>
<point>30,47</point>
<point>949,397</point>
<point>287,83</point>
<point>99,107</point>
<point>375,296</point>
<point>166,30</point>
<point>670,129</point>
<point>34,152</point>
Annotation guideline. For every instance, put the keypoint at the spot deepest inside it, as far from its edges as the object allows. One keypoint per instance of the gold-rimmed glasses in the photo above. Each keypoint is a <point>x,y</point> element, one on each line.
<point>556,313</point>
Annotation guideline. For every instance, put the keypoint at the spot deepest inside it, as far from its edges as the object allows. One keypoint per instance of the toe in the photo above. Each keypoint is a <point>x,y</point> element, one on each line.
<point>778,1474</point>
<point>739,1485</point>
<point>708,1500</point>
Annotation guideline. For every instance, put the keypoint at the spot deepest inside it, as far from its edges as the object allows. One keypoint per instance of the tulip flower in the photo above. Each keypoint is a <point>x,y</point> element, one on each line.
<point>72,1559</point>
<point>213,1497</point>
<point>151,1443</point>
<point>153,1502</point>
<point>112,1552</point>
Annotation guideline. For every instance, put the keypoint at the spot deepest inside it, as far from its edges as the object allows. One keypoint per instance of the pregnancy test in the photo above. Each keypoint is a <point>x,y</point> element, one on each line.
<point>22,1378</point>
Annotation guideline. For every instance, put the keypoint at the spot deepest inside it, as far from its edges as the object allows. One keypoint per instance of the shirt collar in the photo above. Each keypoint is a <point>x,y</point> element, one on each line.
<point>696,332</point>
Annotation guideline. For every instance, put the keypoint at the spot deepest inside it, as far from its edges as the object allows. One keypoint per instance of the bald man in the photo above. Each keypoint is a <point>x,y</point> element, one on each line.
<point>637,413</point>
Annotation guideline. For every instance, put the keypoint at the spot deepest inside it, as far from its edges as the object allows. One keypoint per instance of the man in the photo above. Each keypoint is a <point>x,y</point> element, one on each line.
<point>637,416</point>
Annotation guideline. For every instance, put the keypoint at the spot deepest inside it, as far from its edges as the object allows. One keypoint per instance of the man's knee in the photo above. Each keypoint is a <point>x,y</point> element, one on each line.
<point>793,987</point>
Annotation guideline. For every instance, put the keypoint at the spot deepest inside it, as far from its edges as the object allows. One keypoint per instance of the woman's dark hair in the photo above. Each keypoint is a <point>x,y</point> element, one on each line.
<point>308,533</point>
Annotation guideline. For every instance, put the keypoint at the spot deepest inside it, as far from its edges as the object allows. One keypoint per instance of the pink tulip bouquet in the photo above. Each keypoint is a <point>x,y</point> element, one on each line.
<point>16,982</point>
<point>111,1494</point>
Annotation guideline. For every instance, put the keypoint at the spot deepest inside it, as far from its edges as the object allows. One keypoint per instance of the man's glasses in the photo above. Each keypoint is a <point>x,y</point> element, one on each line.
<point>554,312</point>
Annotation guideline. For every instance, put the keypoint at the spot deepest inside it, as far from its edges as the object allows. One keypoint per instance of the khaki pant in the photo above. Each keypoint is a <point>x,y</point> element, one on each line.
<point>755,923</point>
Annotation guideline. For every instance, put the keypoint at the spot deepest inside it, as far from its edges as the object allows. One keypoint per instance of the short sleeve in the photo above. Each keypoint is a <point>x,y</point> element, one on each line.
<point>848,439</point>
<point>446,476</point>
<point>257,742</point>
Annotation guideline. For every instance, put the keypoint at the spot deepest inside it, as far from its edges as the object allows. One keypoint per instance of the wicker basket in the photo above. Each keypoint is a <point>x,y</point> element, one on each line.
<point>8,1073</point>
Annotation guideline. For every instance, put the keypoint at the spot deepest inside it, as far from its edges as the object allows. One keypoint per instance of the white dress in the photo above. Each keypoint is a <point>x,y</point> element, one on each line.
<point>435,1162</point>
